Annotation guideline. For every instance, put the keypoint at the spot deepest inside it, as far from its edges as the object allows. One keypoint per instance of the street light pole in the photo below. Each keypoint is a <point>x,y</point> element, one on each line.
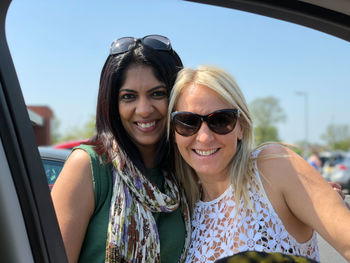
<point>305,95</point>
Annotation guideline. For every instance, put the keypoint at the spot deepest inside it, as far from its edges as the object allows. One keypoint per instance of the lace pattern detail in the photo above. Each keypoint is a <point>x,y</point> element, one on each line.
<point>217,231</point>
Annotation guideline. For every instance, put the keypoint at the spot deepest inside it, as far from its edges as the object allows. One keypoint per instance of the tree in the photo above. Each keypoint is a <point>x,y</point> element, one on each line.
<point>265,134</point>
<point>266,113</point>
<point>84,132</point>
<point>55,135</point>
<point>337,136</point>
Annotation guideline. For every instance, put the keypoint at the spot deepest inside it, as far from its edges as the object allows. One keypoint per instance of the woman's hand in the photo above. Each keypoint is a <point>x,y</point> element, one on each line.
<point>337,187</point>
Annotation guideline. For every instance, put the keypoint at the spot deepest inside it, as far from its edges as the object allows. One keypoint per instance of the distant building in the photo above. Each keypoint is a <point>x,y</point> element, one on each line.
<point>41,116</point>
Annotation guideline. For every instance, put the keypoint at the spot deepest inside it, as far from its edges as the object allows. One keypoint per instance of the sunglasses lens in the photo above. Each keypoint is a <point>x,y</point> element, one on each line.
<point>122,45</point>
<point>186,124</point>
<point>157,42</point>
<point>222,122</point>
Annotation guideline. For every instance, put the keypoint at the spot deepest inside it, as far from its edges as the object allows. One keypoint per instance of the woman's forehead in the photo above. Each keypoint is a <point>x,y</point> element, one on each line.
<point>200,98</point>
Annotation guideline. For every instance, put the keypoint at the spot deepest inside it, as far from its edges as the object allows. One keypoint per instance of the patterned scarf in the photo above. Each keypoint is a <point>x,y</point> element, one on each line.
<point>132,231</point>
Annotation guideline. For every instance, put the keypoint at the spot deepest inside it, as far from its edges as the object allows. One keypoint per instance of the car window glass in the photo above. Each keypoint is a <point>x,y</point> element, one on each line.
<point>52,170</point>
<point>59,53</point>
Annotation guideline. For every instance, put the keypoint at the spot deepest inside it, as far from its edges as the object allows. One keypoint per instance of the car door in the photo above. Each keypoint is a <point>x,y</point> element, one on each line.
<point>28,227</point>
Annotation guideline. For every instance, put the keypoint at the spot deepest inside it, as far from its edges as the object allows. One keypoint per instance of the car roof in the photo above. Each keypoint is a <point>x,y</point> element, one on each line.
<point>70,144</point>
<point>53,154</point>
<point>330,154</point>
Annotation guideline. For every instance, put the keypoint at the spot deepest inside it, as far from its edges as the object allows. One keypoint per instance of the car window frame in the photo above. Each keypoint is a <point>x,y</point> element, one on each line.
<point>301,12</point>
<point>22,172</point>
<point>25,168</point>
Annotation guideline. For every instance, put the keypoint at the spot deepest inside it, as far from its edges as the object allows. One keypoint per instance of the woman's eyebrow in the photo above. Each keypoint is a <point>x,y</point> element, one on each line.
<point>127,90</point>
<point>157,87</point>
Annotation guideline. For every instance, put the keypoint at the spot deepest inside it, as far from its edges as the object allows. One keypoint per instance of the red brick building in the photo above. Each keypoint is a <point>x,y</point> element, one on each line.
<point>40,117</point>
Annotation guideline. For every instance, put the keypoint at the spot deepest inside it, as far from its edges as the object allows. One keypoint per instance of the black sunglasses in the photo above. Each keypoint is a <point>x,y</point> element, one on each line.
<point>220,121</point>
<point>124,44</point>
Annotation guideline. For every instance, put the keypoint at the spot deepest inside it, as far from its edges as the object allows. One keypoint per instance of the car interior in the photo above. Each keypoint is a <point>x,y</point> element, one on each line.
<point>29,230</point>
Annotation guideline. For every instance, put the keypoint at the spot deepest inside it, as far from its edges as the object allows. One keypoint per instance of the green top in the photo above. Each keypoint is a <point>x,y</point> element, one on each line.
<point>171,226</point>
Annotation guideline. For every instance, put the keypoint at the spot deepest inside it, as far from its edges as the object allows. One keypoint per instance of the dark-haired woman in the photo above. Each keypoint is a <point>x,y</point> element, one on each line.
<point>116,199</point>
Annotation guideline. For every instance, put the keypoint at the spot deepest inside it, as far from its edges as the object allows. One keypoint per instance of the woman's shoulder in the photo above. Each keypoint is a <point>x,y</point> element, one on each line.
<point>85,157</point>
<point>271,148</point>
<point>75,174</point>
<point>96,158</point>
<point>79,156</point>
<point>87,148</point>
<point>275,160</point>
<point>275,152</point>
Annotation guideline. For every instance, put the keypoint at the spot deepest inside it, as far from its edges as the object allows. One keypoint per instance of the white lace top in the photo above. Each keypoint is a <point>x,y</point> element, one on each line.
<point>217,231</point>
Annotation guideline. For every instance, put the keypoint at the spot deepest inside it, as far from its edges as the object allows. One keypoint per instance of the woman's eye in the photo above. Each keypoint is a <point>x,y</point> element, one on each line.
<point>159,94</point>
<point>127,97</point>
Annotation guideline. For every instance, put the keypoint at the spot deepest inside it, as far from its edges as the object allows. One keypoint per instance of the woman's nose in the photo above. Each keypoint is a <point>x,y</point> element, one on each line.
<point>144,107</point>
<point>204,134</point>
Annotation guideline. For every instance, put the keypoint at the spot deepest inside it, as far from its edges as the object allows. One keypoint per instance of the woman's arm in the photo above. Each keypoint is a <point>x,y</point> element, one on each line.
<point>307,196</point>
<point>73,199</point>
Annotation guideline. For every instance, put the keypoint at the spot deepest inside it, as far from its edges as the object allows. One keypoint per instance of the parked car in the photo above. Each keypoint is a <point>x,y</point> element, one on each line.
<point>329,160</point>
<point>70,144</point>
<point>341,172</point>
<point>53,161</point>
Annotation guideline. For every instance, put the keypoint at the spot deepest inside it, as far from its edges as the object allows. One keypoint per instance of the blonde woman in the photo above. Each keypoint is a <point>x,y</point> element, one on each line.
<point>266,199</point>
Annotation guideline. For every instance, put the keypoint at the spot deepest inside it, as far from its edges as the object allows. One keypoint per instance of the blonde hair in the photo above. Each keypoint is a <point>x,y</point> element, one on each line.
<point>241,166</point>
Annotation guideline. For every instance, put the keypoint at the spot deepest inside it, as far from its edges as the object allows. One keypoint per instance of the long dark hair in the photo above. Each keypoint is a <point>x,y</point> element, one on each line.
<point>165,66</point>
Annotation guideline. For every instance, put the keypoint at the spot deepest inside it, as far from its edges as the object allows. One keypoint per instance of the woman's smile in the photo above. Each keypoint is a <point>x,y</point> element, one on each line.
<point>146,126</point>
<point>206,152</point>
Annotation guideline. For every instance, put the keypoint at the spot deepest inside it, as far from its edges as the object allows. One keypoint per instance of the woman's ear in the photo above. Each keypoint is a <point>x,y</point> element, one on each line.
<point>239,131</point>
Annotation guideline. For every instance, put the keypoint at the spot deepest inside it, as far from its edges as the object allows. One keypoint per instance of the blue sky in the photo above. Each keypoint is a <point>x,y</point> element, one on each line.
<point>59,48</point>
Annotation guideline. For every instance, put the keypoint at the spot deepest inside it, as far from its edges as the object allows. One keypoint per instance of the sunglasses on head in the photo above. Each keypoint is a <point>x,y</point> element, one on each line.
<point>220,121</point>
<point>124,44</point>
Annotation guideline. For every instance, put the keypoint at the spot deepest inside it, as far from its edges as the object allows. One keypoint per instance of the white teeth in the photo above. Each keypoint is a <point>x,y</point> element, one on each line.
<point>146,125</point>
<point>205,153</point>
